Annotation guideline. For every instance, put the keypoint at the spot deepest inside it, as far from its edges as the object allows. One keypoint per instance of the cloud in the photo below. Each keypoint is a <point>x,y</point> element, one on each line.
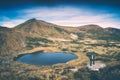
<point>70,16</point>
<point>12,23</point>
<point>104,20</point>
<point>66,16</point>
<point>9,24</point>
<point>55,13</point>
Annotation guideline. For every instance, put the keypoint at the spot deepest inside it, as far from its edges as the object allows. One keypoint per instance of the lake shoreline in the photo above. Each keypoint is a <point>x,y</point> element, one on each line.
<point>70,57</point>
<point>76,61</point>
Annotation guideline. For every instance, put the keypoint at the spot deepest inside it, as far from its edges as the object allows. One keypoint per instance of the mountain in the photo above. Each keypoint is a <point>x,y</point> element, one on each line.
<point>4,29</point>
<point>93,31</point>
<point>32,33</point>
<point>39,28</point>
<point>114,33</point>
<point>83,28</point>
<point>10,40</point>
<point>113,30</point>
<point>35,35</point>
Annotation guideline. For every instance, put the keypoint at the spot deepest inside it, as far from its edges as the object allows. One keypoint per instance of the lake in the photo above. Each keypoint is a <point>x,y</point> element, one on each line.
<point>49,58</point>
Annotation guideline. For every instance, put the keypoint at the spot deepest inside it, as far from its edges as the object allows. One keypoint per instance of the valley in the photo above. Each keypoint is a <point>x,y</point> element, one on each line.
<point>36,35</point>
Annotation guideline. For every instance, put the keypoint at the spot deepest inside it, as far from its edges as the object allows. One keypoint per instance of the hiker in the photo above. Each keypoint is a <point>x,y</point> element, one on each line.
<point>92,59</point>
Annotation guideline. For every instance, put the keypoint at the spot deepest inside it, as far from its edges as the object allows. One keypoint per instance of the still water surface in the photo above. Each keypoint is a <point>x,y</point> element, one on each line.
<point>48,58</point>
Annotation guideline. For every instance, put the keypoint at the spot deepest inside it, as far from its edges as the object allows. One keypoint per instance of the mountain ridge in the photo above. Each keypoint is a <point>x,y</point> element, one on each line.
<point>32,29</point>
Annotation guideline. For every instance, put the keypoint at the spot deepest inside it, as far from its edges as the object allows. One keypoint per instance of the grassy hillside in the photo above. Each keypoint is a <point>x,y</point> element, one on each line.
<point>37,35</point>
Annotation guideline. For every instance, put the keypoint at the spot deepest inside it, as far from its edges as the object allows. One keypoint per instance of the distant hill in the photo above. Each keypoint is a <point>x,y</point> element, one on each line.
<point>95,32</point>
<point>35,31</point>
<point>113,30</point>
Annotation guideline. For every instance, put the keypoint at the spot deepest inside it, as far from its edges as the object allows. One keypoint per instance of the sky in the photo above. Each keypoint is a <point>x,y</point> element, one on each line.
<point>105,13</point>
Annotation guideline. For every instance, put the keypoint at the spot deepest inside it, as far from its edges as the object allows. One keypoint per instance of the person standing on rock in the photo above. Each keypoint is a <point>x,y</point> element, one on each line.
<point>92,59</point>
